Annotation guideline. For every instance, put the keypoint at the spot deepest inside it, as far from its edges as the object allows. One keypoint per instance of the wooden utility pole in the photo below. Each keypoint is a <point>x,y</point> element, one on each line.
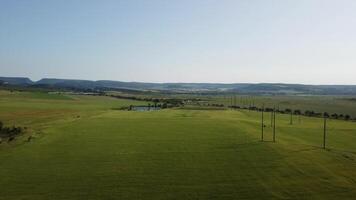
<point>272,113</point>
<point>324,143</point>
<point>274,125</point>
<point>262,125</point>
<point>231,102</point>
<point>291,117</point>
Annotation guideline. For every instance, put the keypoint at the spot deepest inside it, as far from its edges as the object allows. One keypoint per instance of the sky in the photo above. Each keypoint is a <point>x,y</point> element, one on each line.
<point>220,41</point>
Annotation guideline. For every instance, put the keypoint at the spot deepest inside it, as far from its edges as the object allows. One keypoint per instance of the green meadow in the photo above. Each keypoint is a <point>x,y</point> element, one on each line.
<point>84,148</point>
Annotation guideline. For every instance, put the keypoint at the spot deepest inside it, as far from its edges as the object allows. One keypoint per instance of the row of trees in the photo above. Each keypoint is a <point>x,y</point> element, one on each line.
<point>156,102</point>
<point>309,113</point>
<point>149,106</point>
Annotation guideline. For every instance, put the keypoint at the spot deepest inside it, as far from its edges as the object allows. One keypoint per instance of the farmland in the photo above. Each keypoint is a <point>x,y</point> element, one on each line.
<point>84,148</point>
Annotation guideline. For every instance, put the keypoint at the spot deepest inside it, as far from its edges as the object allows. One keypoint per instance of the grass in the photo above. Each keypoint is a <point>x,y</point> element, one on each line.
<point>169,154</point>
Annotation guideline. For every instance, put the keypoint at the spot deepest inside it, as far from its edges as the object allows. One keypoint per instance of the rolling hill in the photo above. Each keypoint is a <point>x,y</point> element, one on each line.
<point>243,88</point>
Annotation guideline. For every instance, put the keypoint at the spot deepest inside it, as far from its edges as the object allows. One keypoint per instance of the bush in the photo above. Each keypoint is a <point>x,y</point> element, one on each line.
<point>8,132</point>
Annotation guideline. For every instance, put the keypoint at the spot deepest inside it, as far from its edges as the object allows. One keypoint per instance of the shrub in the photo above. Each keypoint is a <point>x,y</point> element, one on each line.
<point>10,132</point>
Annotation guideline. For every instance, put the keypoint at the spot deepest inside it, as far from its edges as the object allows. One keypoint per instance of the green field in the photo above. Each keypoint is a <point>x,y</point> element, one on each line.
<point>84,149</point>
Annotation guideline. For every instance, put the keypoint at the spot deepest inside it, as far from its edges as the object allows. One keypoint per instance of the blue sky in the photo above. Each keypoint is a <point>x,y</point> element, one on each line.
<point>290,41</point>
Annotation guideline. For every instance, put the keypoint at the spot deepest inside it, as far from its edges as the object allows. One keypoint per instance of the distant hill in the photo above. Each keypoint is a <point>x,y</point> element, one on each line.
<point>65,83</point>
<point>16,81</point>
<point>242,88</point>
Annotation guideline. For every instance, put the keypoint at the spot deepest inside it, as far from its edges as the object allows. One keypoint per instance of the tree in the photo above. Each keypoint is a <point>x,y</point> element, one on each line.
<point>347,117</point>
<point>335,116</point>
<point>1,125</point>
<point>269,109</point>
<point>326,115</point>
<point>164,105</point>
<point>155,101</point>
<point>297,112</point>
<point>309,113</point>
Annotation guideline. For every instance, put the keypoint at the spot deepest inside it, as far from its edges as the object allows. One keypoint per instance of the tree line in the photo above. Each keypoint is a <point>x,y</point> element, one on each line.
<point>156,102</point>
<point>308,113</point>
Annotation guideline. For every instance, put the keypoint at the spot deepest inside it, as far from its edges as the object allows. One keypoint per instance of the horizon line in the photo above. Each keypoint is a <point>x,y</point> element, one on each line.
<point>149,82</point>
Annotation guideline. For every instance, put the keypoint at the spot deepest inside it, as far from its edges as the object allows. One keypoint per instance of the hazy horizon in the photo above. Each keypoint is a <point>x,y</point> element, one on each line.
<point>277,41</point>
<point>36,80</point>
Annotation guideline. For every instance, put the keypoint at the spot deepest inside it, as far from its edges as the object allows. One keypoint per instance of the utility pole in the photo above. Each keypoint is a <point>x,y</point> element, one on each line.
<point>262,125</point>
<point>274,125</point>
<point>272,113</point>
<point>324,144</point>
<point>231,102</point>
<point>291,117</point>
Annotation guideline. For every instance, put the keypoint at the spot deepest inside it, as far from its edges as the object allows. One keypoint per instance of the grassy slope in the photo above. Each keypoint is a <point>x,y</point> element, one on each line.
<point>171,154</point>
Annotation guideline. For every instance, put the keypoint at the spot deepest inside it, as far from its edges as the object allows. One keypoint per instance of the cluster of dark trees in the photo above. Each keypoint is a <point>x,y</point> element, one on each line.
<point>156,102</point>
<point>149,105</point>
<point>216,105</point>
<point>311,113</point>
<point>339,116</point>
<point>9,132</point>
